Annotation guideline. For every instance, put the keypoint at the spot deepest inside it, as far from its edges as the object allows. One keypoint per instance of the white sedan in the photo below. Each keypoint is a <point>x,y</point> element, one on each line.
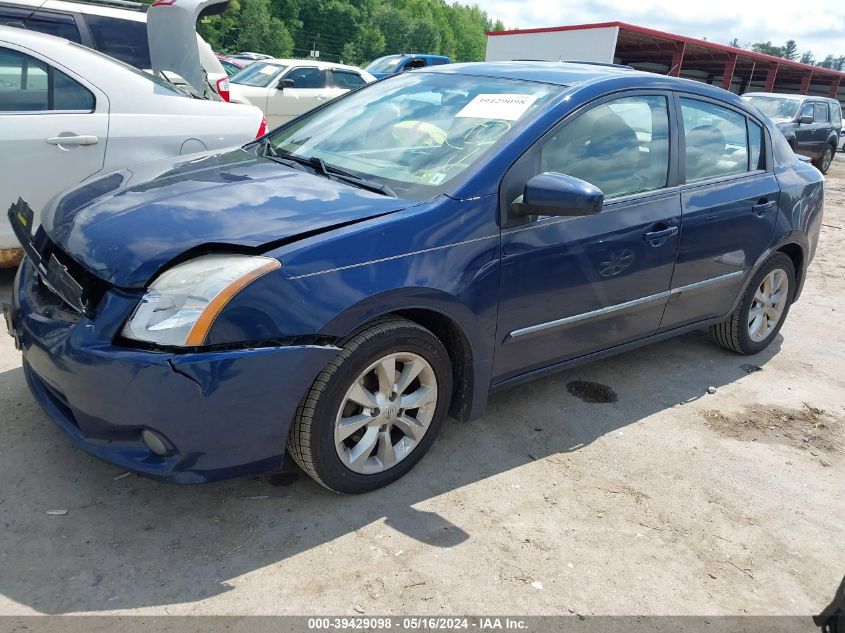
<point>286,88</point>
<point>70,113</point>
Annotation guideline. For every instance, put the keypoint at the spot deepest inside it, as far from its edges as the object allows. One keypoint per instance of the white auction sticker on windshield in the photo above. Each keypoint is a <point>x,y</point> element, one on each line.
<point>506,107</point>
<point>268,70</point>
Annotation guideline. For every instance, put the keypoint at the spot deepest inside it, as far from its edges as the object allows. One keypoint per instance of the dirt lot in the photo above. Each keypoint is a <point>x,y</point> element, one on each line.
<point>655,498</point>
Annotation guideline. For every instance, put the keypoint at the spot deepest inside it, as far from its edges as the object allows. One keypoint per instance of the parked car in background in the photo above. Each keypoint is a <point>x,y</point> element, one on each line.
<point>286,88</point>
<point>69,113</point>
<point>392,64</point>
<point>231,65</point>
<point>399,253</point>
<point>251,56</point>
<point>115,27</point>
<point>812,125</point>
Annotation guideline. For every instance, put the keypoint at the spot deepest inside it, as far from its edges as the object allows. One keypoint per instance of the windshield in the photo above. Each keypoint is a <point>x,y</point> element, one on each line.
<point>146,75</point>
<point>775,107</point>
<point>415,131</point>
<point>259,74</point>
<point>384,64</point>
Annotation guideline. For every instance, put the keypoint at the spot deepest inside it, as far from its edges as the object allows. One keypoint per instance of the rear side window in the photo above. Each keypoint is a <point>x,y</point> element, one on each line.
<point>57,24</point>
<point>125,40</point>
<point>822,113</point>
<point>716,140</point>
<point>622,147</point>
<point>347,79</point>
<point>837,113</point>
<point>307,77</point>
<point>29,85</point>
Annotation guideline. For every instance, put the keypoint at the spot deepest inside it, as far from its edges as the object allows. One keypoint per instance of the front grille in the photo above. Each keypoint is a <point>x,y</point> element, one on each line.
<point>48,304</point>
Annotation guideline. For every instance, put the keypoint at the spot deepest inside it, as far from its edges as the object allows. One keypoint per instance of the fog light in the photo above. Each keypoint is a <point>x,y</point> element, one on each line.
<point>155,442</point>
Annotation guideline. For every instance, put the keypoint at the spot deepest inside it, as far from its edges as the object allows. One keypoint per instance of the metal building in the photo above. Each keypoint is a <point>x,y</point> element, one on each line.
<point>732,68</point>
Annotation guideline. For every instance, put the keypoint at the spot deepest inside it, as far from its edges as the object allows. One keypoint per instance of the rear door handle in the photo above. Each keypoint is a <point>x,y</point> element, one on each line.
<point>79,139</point>
<point>657,238</point>
<point>762,206</point>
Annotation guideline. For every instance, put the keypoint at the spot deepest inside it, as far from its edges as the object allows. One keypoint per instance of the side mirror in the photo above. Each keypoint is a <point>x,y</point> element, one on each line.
<point>807,118</point>
<point>551,193</point>
<point>285,83</point>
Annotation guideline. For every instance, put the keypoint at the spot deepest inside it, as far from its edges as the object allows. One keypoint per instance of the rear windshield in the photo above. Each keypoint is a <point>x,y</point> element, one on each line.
<point>384,64</point>
<point>259,74</point>
<point>140,73</point>
<point>125,40</point>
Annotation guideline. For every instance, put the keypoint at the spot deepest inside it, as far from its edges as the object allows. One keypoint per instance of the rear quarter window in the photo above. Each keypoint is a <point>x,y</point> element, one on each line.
<point>125,40</point>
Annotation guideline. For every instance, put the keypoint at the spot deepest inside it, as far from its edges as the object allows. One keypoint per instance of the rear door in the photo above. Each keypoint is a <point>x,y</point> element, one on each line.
<point>55,128</point>
<point>730,206</point>
<point>309,89</point>
<point>822,126</point>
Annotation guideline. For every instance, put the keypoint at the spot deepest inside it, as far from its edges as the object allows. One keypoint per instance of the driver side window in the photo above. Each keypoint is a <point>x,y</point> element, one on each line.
<point>307,78</point>
<point>621,147</point>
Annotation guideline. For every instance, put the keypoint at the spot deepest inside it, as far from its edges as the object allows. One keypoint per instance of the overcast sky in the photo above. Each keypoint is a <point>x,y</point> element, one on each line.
<point>816,25</point>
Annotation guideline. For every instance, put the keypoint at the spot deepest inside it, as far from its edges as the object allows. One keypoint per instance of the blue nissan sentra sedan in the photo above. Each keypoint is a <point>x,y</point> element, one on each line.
<point>338,287</point>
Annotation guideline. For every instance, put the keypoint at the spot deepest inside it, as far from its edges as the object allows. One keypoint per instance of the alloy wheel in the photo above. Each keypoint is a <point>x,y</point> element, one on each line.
<point>385,413</point>
<point>827,159</point>
<point>768,305</point>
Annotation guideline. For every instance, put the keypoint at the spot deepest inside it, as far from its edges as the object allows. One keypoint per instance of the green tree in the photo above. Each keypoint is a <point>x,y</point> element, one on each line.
<point>828,62</point>
<point>735,43</point>
<point>807,58</point>
<point>423,37</point>
<point>767,48</point>
<point>790,50</point>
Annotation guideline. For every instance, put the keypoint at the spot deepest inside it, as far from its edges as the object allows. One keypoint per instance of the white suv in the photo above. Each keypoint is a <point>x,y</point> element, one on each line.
<point>115,27</point>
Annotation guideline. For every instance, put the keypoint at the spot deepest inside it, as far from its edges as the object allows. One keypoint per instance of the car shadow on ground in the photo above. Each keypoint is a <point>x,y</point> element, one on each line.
<point>122,537</point>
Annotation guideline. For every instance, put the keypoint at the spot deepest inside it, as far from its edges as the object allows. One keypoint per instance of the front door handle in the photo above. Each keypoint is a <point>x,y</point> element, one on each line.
<point>659,237</point>
<point>78,139</point>
<point>762,206</point>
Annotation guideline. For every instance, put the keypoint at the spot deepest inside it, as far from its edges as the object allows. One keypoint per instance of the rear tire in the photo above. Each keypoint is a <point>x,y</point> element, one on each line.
<point>368,387</point>
<point>824,162</point>
<point>768,295</point>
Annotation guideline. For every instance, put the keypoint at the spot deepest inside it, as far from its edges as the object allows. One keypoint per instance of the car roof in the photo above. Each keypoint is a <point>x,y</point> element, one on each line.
<point>307,62</point>
<point>127,12</point>
<point>780,95</point>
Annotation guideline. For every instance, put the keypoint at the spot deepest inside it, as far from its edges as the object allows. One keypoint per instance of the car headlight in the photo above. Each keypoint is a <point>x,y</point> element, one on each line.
<point>180,306</point>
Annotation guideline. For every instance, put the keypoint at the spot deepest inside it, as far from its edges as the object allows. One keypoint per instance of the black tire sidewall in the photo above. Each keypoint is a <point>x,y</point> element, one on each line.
<point>779,260</point>
<point>328,465</point>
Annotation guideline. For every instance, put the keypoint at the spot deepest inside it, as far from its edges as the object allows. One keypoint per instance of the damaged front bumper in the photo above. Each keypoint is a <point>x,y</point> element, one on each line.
<point>221,413</point>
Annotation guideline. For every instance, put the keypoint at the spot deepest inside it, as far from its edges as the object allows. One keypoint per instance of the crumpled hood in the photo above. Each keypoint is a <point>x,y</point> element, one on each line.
<point>125,226</point>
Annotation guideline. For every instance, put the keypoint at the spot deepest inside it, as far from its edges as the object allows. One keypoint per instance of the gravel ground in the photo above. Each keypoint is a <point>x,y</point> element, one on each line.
<point>660,498</point>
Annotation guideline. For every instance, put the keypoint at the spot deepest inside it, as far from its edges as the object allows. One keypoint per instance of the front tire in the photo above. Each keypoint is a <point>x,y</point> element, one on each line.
<point>375,410</point>
<point>760,314</point>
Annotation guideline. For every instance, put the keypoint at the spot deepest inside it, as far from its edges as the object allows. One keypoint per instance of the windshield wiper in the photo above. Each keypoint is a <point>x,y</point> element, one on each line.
<point>321,167</point>
<point>348,177</point>
<point>288,160</point>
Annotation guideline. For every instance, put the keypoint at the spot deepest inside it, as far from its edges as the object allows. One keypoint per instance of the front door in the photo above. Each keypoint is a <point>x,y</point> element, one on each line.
<point>730,207</point>
<point>805,132</point>
<point>307,91</point>
<point>572,286</point>
<point>55,129</point>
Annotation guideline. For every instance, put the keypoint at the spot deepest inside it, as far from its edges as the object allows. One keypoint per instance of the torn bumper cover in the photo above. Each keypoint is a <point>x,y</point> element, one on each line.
<point>221,413</point>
